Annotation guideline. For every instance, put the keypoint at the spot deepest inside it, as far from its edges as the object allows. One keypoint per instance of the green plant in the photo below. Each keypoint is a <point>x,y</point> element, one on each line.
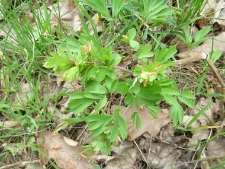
<point>23,47</point>
<point>95,66</point>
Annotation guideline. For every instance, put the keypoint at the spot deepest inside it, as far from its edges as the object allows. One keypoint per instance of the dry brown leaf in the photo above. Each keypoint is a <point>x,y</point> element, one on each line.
<point>9,124</point>
<point>98,23</point>
<point>34,166</point>
<point>214,9</point>
<point>187,119</point>
<point>24,95</point>
<point>216,148</point>
<point>69,14</point>
<point>162,155</point>
<point>124,158</point>
<point>148,123</point>
<point>206,118</point>
<point>197,137</point>
<point>206,47</point>
<point>66,156</point>
<point>1,55</point>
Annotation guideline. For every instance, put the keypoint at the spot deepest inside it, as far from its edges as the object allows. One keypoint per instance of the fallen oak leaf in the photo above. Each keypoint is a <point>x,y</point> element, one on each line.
<point>149,124</point>
<point>66,156</point>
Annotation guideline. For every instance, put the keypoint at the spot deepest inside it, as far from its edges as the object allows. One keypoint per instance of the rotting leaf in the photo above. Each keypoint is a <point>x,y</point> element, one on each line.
<point>148,123</point>
<point>66,156</point>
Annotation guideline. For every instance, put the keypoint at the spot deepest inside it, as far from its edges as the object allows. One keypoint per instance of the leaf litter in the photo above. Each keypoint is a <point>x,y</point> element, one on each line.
<point>64,151</point>
<point>157,143</point>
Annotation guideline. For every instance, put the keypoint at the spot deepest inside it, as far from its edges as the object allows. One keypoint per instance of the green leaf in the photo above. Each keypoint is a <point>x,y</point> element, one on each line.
<point>114,132</point>
<point>144,52</point>
<point>116,6</point>
<point>58,63</point>
<point>200,36</point>
<point>215,55</point>
<point>77,95</point>
<point>72,73</point>
<point>123,127</point>
<point>165,54</point>
<point>114,86</point>
<point>97,117</point>
<point>122,88</point>
<point>134,44</point>
<point>79,105</point>
<point>99,6</point>
<point>170,91</point>
<point>95,87</point>
<point>165,82</point>
<point>186,101</point>
<point>95,125</point>
<point>74,44</point>
<point>92,95</point>
<point>196,116</point>
<point>170,99</point>
<point>131,100</point>
<point>131,33</point>
<point>115,59</point>
<point>136,119</point>
<point>156,11</point>
<point>150,93</point>
<point>154,110</point>
<point>176,114</point>
<point>3,105</point>
<point>73,121</point>
<point>101,104</point>
<point>187,95</point>
<point>98,131</point>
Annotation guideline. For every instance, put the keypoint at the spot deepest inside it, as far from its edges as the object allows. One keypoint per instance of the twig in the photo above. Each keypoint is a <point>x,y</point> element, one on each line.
<point>212,66</point>
<point>204,56</point>
<point>141,152</point>
<point>20,164</point>
<point>123,69</point>
<point>189,60</point>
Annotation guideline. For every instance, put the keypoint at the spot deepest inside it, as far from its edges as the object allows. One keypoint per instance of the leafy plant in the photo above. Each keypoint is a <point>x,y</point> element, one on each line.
<point>95,66</point>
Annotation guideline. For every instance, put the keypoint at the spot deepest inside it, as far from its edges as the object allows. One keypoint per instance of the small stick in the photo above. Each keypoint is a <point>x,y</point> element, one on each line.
<point>20,164</point>
<point>204,56</point>
<point>141,152</point>
<point>189,60</point>
<point>212,66</point>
